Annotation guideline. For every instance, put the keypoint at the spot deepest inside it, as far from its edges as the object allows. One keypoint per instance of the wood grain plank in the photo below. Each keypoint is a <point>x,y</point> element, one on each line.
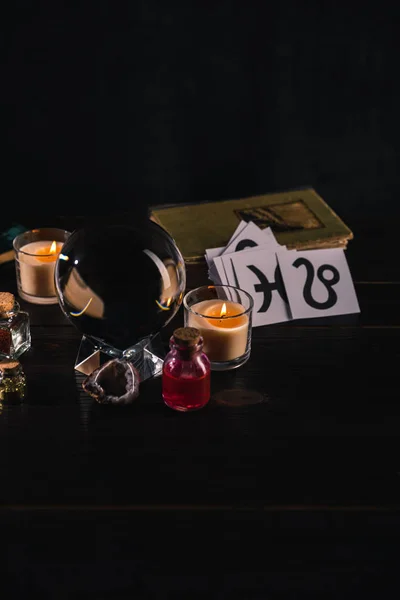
<point>327,433</point>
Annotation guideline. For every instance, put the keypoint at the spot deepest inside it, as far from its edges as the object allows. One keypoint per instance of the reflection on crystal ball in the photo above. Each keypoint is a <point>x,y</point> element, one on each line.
<point>118,284</point>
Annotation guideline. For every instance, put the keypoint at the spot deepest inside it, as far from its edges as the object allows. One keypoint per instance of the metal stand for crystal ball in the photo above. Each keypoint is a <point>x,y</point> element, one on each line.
<point>147,356</point>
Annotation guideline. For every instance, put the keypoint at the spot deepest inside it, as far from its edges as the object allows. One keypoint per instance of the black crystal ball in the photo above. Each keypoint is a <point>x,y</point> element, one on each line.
<point>118,283</point>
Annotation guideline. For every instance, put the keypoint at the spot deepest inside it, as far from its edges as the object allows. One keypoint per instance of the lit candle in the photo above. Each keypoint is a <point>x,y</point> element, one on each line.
<point>225,333</point>
<point>37,261</point>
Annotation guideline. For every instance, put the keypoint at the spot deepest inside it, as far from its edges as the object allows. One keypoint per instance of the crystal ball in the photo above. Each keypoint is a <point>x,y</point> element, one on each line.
<point>119,284</point>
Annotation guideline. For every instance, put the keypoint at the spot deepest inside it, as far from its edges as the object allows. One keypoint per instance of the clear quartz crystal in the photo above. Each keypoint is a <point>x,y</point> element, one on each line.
<point>15,333</point>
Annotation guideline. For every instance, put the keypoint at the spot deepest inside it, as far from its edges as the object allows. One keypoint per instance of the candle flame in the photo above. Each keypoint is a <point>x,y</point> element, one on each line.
<point>223,310</point>
<point>48,254</point>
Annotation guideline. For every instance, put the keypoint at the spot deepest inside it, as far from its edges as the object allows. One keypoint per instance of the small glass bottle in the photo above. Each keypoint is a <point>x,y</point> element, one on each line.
<point>15,333</point>
<point>12,382</point>
<point>186,371</point>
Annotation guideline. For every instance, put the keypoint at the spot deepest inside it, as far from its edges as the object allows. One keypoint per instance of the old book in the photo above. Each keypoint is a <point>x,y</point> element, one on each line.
<point>299,219</point>
<point>6,256</point>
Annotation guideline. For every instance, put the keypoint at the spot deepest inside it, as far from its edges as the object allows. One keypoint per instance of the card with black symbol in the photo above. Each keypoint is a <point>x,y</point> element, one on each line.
<point>318,283</point>
<point>263,239</point>
<point>258,273</point>
<point>212,253</point>
<point>251,236</point>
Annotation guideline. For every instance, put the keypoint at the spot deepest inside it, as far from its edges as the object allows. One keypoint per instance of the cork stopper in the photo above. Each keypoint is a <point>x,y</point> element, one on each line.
<point>9,367</point>
<point>7,301</point>
<point>187,336</point>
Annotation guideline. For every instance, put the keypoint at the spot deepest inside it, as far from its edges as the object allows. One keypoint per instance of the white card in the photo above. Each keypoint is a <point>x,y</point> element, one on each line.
<point>217,272</point>
<point>211,253</point>
<point>250,237</point>
<point>267,246</point>
<point>269,234</point>
<point>257,272</point>
<point>238,229</point>
<point>214,276</point>
<point>269,239</point>
<point>318,283</point>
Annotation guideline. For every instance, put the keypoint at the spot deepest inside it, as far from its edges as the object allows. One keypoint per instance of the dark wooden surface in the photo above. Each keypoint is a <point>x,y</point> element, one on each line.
<point>297,493</point>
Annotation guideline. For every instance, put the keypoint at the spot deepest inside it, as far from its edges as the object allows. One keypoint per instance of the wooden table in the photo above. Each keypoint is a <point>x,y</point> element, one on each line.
<point>299,490</point>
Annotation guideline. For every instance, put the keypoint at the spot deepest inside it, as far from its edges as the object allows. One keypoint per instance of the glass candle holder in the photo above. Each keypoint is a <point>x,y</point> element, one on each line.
<point>36,254</point>
<point>223,315</point>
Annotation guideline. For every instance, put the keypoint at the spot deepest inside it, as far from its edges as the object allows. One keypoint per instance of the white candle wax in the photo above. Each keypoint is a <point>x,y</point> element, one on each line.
<point>224,339</point>
<point>36,268</point>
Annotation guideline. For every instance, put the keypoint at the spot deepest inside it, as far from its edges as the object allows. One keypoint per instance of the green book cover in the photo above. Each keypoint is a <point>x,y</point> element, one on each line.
<point>299,219</point>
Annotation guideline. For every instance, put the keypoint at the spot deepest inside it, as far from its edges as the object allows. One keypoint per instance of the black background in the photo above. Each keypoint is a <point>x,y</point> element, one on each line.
<point>154,102</point>
<point>114,106</point>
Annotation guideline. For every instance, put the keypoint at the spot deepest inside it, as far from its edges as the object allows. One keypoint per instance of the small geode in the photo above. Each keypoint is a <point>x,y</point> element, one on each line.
<point>115,382</point>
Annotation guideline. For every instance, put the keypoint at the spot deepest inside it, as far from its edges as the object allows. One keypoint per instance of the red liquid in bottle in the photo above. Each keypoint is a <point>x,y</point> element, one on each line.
<point>186,371</point>
<point>186,393</point>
